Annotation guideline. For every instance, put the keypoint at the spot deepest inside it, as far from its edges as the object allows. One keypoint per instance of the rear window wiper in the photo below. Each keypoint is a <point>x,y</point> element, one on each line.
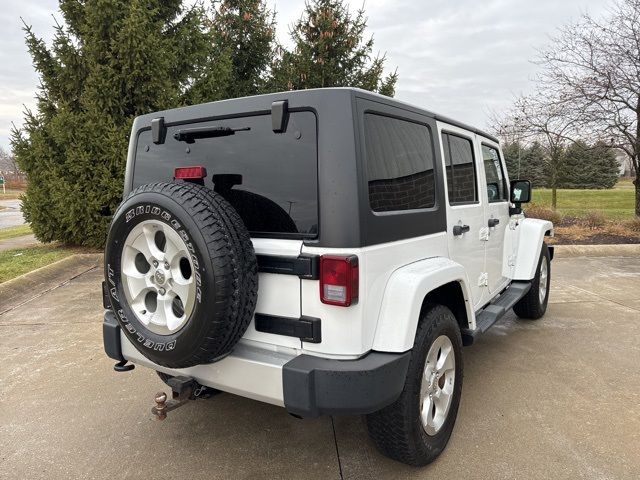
<point>190,135</point>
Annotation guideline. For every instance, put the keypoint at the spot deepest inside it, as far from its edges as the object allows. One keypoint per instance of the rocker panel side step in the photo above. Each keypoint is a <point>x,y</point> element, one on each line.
<point>494,311</point>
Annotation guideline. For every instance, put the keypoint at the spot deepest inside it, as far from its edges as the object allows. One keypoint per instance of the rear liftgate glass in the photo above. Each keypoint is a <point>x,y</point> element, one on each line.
<point>270,178</point>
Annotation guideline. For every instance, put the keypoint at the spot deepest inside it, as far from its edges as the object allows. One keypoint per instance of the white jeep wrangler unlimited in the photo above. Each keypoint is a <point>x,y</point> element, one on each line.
<point>329,251</point>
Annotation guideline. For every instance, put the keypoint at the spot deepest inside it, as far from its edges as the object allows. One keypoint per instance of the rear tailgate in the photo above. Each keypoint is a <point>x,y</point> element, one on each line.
<point>270,178</point>
<point>278,294</point>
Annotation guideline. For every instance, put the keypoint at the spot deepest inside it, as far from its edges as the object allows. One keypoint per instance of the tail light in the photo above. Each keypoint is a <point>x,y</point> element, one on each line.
<point>190,173</point>
<point>339,280</point>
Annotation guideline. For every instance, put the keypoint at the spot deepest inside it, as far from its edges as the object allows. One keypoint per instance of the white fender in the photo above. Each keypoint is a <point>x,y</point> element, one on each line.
<point>403,297</point>
<point>531,232</point>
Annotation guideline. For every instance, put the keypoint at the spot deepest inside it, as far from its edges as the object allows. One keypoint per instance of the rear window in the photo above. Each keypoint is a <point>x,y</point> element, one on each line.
<point>270,178</point>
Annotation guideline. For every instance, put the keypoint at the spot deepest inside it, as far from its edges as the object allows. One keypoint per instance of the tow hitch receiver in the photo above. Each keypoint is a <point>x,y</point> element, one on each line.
<point>183,389</point>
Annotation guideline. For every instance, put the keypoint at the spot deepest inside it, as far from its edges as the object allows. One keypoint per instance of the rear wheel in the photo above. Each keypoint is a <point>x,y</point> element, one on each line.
<point>416,428</point>
<point>534,304</point>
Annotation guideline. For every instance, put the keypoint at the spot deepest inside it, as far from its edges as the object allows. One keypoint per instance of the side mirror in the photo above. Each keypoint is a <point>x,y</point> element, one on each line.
<point>520,192</point>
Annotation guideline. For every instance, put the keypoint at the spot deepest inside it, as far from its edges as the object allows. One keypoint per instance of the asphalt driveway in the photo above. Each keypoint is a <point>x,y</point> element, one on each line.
<point>557,398</point>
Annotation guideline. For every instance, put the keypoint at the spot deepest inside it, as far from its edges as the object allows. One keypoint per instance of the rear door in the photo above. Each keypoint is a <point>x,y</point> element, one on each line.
<point>466,226</point>
<point>496,214</point>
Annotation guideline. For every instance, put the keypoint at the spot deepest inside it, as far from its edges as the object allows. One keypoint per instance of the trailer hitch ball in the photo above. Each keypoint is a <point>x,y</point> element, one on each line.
<point>160,410</point>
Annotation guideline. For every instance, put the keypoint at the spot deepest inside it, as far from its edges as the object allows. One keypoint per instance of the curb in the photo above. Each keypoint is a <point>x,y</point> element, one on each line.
<point>621,250</point>
<point>24,288</point>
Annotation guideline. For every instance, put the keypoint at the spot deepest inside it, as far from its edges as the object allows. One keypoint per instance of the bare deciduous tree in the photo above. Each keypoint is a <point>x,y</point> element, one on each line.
<point>594,67</point>
<point>8,162</point>
<point>545,120</point>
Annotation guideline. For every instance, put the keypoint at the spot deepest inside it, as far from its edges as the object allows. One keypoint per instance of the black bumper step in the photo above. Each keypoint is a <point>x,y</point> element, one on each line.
<point>493,312</point>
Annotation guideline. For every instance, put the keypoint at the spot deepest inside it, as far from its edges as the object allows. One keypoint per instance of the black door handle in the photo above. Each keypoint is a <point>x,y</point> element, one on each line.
<point>493,222</point>
<point>460,229</point>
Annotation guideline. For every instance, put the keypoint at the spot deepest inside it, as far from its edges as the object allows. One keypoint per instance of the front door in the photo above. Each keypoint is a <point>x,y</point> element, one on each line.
<point>466,224</point>
<point>496,217</point>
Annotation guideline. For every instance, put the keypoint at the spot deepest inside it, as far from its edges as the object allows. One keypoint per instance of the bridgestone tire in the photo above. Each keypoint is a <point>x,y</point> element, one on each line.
<point>530,307</point>
<point>397,429</point>
<point>224,270</point>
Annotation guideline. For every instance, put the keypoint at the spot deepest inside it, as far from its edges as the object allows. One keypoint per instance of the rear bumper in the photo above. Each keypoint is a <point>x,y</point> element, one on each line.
<point>315,386</point>
<point>306,385</point>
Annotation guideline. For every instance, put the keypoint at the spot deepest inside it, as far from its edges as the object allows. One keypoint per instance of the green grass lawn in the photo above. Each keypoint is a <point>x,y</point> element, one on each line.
<point>615,204</point>
<point>10,194</point>
<point>14,263</point>
<point>12,232</point>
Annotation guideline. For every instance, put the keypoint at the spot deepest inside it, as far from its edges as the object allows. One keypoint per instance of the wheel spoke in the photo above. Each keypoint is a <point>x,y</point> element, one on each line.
<point>424,387</point>
<point>137,285</point>
<point>138,305</point>
<point>182,288</point>
<point>427,412</point>
<point>446,361</point>
<point>149,232</point>
<point>159,317</point>
<point>145,243</point>
<point>449,381</point>
<point>172,321</point>
<point>173,254</point>
<point>432,356</point>
<point>129,267</point>
<point>441,400</point>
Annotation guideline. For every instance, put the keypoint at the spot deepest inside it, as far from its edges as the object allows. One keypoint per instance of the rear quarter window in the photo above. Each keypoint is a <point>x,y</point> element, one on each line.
<point>399,156</point>
<point>270,178</point>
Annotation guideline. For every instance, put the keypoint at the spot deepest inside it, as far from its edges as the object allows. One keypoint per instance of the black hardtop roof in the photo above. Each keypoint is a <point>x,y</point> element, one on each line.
<point>296,98</point>
<point>408,106</point>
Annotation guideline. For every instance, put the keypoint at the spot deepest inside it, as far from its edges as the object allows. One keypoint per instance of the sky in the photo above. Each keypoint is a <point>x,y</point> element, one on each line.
<point>460,58</point>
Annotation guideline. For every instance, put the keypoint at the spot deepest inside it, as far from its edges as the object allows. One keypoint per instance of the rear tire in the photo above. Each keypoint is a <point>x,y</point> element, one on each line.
<point>408,430</point>
<point>534,304</point>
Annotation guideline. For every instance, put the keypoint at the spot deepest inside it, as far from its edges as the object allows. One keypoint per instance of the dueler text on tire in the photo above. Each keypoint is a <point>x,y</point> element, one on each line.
<point>534,304</point>
<point>182,273</point>
<point>417,426</point>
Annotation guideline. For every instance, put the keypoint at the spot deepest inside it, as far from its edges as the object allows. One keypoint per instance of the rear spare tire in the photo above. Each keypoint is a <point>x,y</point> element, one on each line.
<point>182,273</point>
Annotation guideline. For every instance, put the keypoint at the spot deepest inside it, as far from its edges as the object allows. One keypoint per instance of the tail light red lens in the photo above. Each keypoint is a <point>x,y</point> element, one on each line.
<point>190,173</point>
<point>339,280</point>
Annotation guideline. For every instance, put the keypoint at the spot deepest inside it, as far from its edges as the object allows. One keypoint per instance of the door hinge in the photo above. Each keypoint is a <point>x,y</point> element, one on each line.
<point>484,234</point>
<point>512,260</point>
<point>483,279</point>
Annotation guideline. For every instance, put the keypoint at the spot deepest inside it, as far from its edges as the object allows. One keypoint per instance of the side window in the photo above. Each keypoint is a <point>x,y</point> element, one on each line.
<point>496,182</point>
<point>399,164</point>
<point>461,172</point>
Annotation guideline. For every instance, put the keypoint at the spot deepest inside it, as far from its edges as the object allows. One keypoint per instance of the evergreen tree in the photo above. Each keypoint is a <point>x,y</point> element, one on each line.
<point>330,51</point>
<point>589,166</point>
<point>526,162</point>
<point>242,38</point>
<point>246,29</point>
<point>112,60</point>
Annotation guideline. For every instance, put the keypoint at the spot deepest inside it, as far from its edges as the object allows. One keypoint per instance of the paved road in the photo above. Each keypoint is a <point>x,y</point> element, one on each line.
<point>553,399</point>
<point>11,215</point>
